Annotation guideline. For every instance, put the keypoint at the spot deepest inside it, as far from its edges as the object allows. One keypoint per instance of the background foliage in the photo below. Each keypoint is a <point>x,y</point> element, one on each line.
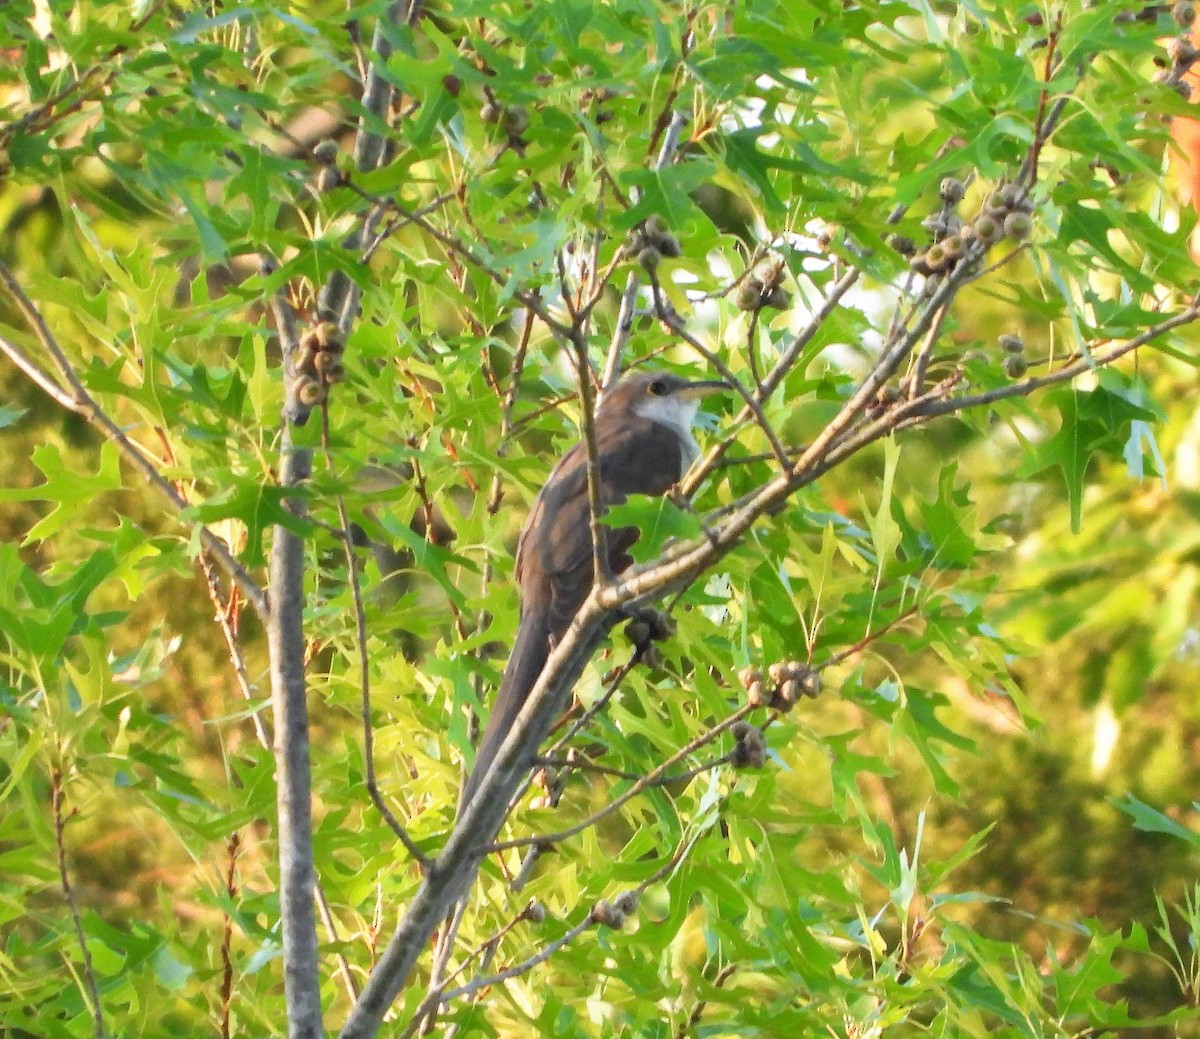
<point>984,825</point>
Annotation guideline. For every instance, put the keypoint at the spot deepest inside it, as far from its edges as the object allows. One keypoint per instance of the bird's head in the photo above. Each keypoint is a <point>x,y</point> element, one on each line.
<point>659,397</point>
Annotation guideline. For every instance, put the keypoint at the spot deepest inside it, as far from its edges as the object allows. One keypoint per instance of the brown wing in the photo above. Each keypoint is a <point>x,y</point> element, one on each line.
<point>554,556</point>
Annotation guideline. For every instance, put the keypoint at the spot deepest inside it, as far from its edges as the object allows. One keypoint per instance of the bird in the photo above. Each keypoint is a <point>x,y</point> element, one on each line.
<point>644,445</point>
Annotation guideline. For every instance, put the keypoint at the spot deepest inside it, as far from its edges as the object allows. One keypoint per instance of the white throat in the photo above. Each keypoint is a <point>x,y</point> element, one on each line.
<point>677,414</point>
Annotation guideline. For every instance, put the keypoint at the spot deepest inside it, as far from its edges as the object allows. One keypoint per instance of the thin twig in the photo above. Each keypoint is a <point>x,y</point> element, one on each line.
<point>723,976</point>
<point>587,403</point>
<point>541,956</point>
<point>225,613</point>
<point>64,880</point>
<point>866,640</point>
<point>921,363</point>
<point>646,781</point>
<point>698,472</point>
<point>364,664</point>
<point>672,320</point>
<point>325,911</point>
<point>231,849</point>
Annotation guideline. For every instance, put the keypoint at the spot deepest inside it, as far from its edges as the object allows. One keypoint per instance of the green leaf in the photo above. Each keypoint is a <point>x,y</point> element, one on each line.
<point>657,520</point>
<point>66,489</point>
<point>10,416</point>
<point>1151,820</point>
<point>258,506</point>
<point>1089,422</point>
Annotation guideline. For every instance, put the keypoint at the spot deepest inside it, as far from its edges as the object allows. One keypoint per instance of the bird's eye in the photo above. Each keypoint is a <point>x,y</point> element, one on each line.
<point>657,387</point>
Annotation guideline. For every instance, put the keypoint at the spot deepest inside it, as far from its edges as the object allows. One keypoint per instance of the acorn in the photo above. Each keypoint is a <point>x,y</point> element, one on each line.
<point>935,257</point>
<point>325,151</point>
<point>662,625</point>
<point>309,392</point>
<point>995,205</point>
<point>626,902</point>
<point>777,671</point>
<point>1015,366</point>
<point>1018,226</point>
<point>335,373</point>
<point>810,683</point>
<point>786,695</point>
<point>777,298</point>
<point>1184,13</point>
<point>327,179</point>
<point>748,675</point>
<point>608,915</point>
<point>1011,343</point>
<point>655,225</point>
<point>954,246</point>
<point>987,229</point>
<point>1008,195</point>
<point>638,631</point>
<point>749,294</point>
<point>649,258</point>
<point>902,244</point>
<point>516,120</point>
<point>669,245</point>
<point>535,912</point>
<point>951,191</point>
<point>756,694</point>
<point>452,84</point>
<point>491,112</point>
<point>1181,51</point>
<point>750,748</point>
<point>327,336</point>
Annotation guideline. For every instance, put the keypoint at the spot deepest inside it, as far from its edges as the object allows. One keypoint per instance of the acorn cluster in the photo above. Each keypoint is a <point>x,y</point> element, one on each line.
<point>318,364</point>
<point>329,176</point>
<point>784,683</point>
<point>614,914</point>
<point>1015,365</point>
<point>513,119</point>
<point>762,288</point>
<point>649,625</point>
<point>1181,51</point>
<point>1006,214</point>
<point>749,746</point>
<point>651,242</point>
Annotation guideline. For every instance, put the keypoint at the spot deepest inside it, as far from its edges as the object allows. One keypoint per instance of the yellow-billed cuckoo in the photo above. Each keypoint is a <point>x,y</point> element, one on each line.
<point>644,445</point>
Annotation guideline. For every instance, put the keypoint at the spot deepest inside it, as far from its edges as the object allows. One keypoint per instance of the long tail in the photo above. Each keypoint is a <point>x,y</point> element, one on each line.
<point>530,650</point>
